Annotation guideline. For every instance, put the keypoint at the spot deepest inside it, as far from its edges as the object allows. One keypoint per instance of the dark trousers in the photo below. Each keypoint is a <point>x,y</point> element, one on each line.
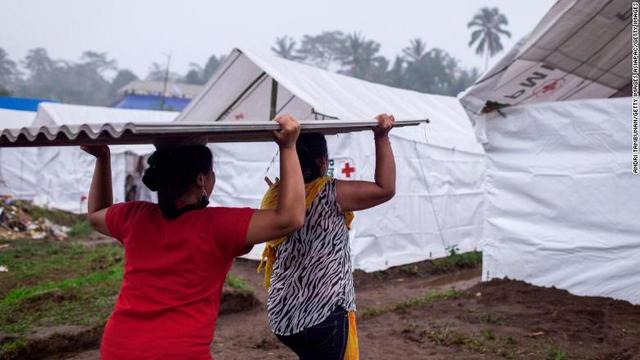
<point>324,341</point>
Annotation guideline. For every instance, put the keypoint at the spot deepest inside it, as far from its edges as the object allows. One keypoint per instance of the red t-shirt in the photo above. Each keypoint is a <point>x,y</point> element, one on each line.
<point>173,276</point>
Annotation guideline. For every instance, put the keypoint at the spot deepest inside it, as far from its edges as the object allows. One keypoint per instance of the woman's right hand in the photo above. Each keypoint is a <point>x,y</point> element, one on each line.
<point>287,136</point>
<point>99,151</point>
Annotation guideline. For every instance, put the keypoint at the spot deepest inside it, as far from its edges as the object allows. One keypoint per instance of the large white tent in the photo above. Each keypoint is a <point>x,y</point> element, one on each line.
<point>561,202</point>
<point>440,165</point>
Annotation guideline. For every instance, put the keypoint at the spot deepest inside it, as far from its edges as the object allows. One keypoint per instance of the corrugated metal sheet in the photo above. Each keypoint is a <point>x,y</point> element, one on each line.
<point>148,133</point>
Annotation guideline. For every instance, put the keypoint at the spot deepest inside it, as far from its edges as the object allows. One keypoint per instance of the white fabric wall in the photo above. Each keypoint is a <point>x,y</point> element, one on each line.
<point>562,204</point>
<point>437,204</point>
<point>64,177</point>
<point>18,172</point>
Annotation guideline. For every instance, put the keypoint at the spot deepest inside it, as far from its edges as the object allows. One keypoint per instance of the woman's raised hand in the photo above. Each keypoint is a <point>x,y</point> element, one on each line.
<point>385,124</point>
<point>96,150</point>
<point>289,131</point>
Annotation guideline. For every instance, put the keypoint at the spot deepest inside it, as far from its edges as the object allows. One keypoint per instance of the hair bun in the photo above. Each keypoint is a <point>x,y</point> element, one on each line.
<point>150,179</point>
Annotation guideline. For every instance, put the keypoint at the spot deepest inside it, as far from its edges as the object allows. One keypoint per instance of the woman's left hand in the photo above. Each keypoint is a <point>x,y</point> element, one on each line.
<point>99,151</point>
<point>385,124</point>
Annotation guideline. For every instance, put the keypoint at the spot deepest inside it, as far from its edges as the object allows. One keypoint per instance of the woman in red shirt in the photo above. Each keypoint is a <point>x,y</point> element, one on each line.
<point>178,252</point>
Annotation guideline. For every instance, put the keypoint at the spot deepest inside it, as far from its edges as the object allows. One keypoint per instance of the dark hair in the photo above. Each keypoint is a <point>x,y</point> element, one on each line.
<point>172,171</point>
<point>311,147</point>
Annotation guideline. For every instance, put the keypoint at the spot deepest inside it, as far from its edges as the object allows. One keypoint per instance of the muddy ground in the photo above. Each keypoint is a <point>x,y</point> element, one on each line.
<point>412,313</point>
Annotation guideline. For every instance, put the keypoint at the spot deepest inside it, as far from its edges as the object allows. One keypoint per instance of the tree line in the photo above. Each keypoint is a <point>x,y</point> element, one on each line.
<point>95,78</point>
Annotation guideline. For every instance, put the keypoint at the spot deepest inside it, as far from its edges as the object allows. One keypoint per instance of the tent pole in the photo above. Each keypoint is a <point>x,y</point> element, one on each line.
<point>274,99</point>
<point>242,94</point>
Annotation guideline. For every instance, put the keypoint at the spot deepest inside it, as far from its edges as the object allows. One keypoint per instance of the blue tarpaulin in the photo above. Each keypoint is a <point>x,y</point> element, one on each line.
<point>150,102</point>
<point>24,104</point>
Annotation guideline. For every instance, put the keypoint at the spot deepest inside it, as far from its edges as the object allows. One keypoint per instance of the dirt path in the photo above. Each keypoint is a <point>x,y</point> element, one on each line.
<point>501,319</point>
<point>246,335</point>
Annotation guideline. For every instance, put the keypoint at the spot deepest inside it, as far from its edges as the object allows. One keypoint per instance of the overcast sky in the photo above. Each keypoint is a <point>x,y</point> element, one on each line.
<point>139,32</point>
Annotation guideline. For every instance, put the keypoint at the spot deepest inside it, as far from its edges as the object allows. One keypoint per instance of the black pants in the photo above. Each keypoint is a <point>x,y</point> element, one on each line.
<point>324,341</point>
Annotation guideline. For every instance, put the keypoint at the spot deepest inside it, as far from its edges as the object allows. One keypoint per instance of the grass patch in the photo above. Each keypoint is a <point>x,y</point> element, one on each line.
<point>12,348</point>
<point>237,283</point>
<point>490,318</point>
<point>427,298</point>
<point>553,353</point>
<point>57,283</point>
<point>457,260</point>
<point>447,337</point>
<point>81,228</point>
<point>487,334</point>
<point>369,313</point>
<point>31,262</point>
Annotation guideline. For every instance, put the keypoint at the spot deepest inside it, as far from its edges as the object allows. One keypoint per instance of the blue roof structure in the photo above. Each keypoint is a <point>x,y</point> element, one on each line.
<point>24,104</point>
<point>151,102</point>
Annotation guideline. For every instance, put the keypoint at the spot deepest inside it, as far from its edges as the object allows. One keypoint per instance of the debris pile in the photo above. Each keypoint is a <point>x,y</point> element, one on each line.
<point>16,222</point>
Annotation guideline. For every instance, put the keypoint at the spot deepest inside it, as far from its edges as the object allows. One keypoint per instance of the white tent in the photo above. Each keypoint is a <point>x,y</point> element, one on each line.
<point>17,166</point>
<point>561,202</point>
<point>440,165</point>
<point>579,50</point>
<point>64,173</point>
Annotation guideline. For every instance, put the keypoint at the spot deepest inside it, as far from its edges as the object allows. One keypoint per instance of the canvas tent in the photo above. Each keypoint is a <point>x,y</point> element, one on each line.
<point>17,166</point>
<point>440,165</point>
<point>64,173</point>
<point>561,202</point>
<point>579,50</point>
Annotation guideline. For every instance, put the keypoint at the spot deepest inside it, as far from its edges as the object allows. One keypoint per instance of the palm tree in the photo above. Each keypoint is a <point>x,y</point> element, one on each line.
<point>360,57</point>
<point>488,24</point>
<point>285,47</point>
<point>416,50</point>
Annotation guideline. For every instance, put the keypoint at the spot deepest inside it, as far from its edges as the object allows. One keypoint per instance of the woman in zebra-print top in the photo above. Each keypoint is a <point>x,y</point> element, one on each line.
<point>311,289</point>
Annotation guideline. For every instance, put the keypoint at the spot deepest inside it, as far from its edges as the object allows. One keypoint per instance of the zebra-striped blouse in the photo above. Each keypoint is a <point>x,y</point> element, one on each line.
<point>312,272</point>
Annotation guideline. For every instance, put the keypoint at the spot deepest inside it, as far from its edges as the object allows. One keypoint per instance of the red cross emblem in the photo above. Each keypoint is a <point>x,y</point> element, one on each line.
<point>347,170</point>
<point>239,116</point>
<point>548,87</point>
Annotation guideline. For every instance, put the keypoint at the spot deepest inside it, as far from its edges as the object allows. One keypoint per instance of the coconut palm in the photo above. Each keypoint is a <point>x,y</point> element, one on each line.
<point>285,47</point>
<point>488,27</point>
<point>416,50</point>
<point>359,58</point>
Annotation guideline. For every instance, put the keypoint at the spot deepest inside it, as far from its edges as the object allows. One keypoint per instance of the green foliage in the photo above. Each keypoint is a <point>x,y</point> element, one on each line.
<point>553,353</point>
<point>369,313</point>
<point>457,260</point>
<point>434,295</point>
<point>52,283</point>
<point>448,337</point>
<point>417,68</point>
<point>488,334</point>
<point>81,228</point>
<point>488,25</point>
<point>12,348</point>
<point>237,283</point>
<point>427,298</point>
<point>489,318</point>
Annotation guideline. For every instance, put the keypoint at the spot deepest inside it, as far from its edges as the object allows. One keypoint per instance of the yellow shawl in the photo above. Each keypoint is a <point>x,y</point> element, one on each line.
<point>270,201</point>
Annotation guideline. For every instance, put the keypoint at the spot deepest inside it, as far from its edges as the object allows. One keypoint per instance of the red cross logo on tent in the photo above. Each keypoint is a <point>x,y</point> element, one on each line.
<point>548,87</point>
<point>347,170</point>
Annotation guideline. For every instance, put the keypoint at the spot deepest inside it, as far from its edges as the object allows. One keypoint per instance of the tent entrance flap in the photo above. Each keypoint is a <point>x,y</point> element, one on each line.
<point>148,133</point>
